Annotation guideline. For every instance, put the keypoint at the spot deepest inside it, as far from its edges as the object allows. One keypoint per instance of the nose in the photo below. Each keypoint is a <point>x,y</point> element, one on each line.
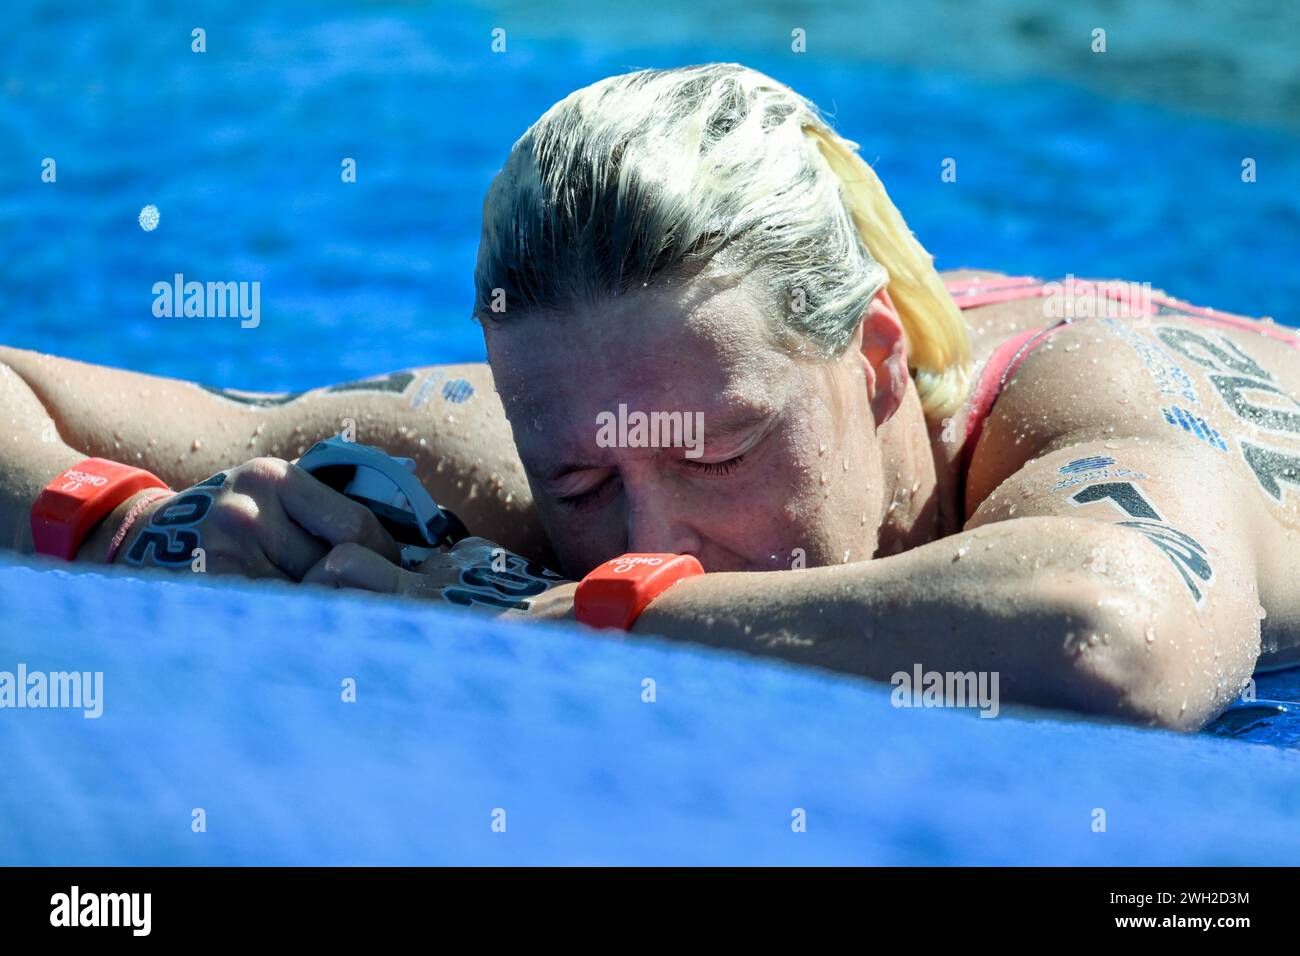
<point>657,523</point>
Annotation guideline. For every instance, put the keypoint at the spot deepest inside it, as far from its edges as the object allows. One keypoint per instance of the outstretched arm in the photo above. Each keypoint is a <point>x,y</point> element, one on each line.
<point>447,418</point>
<point>1126,595</point>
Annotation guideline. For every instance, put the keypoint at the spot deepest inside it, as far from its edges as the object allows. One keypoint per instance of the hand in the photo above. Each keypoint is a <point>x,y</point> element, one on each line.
<point>474,573</point>
<point>266,518</point>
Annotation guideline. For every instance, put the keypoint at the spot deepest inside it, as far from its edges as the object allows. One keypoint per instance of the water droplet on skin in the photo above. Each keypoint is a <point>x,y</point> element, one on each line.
<point>1093,640</point>
<point>821,449</point>
<point>196,444</point>
<point>1111,444</point>
<point>823,479</point>
<point>1011,510</point>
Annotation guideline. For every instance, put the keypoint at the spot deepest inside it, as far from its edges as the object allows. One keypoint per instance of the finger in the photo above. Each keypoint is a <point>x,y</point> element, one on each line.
<point>474,551</point>
<point>473,542</point>
<point>287,544</point>
<point>263,537</point>
<point>260,565</point>
<point>351,565</point>
<point>440,572</point>
<point>248,561</point>
<point>333,516</point>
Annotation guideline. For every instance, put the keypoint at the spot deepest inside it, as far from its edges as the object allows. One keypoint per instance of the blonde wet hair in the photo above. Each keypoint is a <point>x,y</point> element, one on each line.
<point>640,176</point>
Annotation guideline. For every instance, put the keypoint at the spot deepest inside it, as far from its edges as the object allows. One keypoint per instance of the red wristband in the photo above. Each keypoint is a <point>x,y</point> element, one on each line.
<point>78,499</point>
<point>617,591</point>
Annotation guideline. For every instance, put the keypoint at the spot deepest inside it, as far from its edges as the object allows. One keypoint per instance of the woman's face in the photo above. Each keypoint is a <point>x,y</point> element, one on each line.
<point>783,470</point>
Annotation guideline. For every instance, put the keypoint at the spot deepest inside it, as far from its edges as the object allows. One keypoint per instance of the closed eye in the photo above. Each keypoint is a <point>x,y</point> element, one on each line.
<point>590,497</point>
<point>715,468</point>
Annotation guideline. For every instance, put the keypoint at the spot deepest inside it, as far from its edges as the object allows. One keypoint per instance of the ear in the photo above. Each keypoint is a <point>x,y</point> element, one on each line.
<point>884,351</point>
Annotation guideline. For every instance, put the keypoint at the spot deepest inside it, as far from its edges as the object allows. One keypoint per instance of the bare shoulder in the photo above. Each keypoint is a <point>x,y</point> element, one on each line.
<point>1225,394</point>
<point>1211,384</point>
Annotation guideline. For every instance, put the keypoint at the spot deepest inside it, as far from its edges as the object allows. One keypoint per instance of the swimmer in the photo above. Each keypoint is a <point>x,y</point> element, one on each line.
<point>1086,489</point>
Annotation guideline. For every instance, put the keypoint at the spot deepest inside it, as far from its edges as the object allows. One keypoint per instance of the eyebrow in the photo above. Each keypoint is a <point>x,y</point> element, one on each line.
<point>730,422</point>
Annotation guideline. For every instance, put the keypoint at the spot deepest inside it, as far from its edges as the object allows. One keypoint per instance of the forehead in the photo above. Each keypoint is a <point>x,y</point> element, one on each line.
<point>698,345</point>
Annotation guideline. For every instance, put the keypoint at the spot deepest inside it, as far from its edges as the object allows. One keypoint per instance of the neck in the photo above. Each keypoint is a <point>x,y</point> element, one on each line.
<point>921,469</point>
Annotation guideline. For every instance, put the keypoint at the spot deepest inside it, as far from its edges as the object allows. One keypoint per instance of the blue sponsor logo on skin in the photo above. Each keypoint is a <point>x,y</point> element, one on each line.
<point>457,390</point>
<point>1194,425</point>
<point>1086,464</point>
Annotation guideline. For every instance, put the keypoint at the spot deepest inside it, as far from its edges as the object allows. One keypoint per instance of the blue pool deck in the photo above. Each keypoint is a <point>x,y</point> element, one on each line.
<point>227,697</point>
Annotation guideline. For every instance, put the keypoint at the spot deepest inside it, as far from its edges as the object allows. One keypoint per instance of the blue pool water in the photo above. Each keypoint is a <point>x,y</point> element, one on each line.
<point>240,149</point>
<point>226,698</point>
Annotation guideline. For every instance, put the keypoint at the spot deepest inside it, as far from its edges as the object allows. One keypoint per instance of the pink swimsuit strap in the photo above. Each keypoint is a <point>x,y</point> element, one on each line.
<point>970,293</point>
<point>997,371</point>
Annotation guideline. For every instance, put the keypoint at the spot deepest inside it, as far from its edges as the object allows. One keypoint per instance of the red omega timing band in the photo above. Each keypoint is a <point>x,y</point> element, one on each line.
<point>617,591</point>
<point>78,499</point>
